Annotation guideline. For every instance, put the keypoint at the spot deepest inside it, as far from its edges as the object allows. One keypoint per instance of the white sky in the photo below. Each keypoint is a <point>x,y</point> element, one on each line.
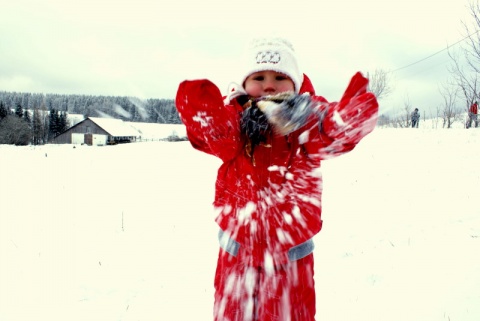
<point>144,48</point>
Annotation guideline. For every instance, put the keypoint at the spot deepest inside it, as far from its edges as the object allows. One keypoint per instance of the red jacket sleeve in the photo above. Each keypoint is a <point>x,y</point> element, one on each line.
<point>211,126</point>
<point>343,124</point>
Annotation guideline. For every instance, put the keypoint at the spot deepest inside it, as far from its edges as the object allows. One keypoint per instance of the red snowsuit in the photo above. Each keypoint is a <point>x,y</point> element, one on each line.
<point>269,207</point>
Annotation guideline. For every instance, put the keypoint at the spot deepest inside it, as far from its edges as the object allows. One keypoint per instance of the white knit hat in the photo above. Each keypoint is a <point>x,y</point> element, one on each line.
<point>275,54</point>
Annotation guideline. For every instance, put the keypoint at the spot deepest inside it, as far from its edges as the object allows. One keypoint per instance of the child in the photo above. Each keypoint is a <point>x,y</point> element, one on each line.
<point>268,189</point>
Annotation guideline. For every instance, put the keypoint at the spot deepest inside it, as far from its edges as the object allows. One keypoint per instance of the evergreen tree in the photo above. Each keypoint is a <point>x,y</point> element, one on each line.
<point>63,122</point>
<point>52,123</point>
<point>3,110</point>
<point>38,127</point>
<point>27,118</point>
<point>19,111</point>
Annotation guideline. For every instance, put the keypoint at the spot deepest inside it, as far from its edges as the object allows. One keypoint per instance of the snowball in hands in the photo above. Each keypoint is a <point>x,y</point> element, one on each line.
<point>286,112</point>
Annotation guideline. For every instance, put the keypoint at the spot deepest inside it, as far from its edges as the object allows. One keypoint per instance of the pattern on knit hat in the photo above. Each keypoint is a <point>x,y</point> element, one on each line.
<point>276,54</point>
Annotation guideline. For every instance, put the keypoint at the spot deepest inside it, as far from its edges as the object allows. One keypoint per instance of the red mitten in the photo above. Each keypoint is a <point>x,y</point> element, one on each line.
<point>355,115</point>
<point>211,126</point>
<point>196,98</point>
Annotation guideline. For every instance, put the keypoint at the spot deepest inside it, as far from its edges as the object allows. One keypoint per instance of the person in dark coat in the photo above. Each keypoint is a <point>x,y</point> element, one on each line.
<point>415,118</point>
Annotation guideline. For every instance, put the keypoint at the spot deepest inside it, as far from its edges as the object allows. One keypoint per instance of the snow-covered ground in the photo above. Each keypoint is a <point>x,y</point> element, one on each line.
<point>126,232</point>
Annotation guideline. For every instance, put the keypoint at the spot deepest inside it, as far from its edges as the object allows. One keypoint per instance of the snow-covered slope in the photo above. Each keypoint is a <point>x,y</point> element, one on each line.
<point>126,232</point>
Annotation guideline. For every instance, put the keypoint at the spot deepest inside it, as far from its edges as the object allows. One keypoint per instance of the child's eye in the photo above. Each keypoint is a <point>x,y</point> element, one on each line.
<point>281,77</point>
<point>258,78</point>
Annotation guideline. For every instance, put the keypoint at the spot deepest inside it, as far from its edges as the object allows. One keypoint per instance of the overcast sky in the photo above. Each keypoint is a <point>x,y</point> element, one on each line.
<point>145,48</point>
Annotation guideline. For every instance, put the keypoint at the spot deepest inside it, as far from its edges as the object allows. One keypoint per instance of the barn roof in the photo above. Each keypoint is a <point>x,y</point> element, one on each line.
<point>115,127</point>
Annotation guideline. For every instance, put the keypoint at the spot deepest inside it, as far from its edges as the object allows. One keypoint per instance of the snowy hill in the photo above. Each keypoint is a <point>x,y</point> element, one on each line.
<point>126,232</point>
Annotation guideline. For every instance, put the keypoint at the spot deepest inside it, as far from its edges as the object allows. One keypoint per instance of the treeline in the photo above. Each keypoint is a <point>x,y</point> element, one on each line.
<point>27,118</point>
<point>126,108</point>
<point>37,126</point>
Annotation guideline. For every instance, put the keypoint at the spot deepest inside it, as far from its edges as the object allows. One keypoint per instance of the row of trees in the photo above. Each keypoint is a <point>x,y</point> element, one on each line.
<point>444,115</point>
<point>27,118</point>
<point>126,108</point>
<point>441,116</point>
<point>23,127</point>
<point>459,91</point>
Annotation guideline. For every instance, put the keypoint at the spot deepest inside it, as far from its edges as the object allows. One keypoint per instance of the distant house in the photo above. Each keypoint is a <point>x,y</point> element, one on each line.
<point>98,131</point>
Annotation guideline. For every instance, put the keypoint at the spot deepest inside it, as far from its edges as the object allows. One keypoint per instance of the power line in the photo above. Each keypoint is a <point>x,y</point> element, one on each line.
<point>436,53</point>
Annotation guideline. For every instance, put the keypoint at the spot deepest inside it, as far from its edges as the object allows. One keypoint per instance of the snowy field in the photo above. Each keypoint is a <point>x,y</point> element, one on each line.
<point>126,232</point>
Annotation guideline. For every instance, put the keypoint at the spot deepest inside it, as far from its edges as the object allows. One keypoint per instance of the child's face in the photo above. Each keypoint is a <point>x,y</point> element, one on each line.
<point>264,83</point>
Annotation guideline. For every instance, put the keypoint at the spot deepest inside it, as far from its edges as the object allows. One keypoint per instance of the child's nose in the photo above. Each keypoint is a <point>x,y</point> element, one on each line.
<point>269,86</point>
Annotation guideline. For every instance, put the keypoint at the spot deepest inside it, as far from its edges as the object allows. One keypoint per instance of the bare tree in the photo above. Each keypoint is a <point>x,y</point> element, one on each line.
<point>44,115</point>
<point>37,127</point>
<point>451,112</point>
<point>465,79</point>
<point>465,67</point>
<point>380,83</point>
<point>407,108</point>
<point>435,116</point>
<point>40,125</point>
<point>384,120</point>
<point>400,119</point>
<point>14,131</point>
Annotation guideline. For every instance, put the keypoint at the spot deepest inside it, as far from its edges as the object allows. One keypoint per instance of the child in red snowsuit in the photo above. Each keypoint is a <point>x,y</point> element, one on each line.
<point>268,188</point>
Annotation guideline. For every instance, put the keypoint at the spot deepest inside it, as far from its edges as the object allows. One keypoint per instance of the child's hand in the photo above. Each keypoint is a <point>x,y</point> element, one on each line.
<point>355,115</point>
<point>286,112</point>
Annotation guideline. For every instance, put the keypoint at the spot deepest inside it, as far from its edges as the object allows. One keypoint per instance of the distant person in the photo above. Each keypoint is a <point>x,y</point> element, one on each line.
<point>472,115</point>
<point>415,118</point>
